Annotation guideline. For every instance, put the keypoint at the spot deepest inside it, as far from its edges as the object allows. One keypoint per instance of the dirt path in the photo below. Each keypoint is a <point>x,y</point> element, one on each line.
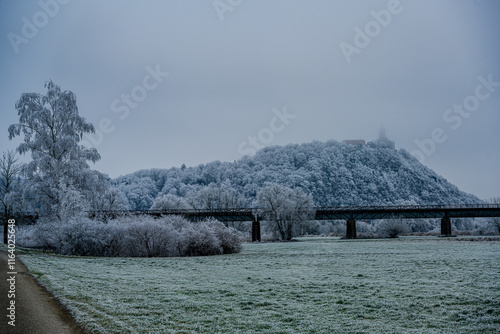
<point>36,311</point>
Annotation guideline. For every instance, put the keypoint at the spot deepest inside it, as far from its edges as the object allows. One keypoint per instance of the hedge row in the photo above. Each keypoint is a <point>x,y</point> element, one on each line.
<point>132,237</point>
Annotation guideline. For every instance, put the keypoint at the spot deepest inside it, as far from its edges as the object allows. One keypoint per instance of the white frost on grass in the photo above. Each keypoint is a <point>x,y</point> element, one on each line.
<point>311,286</point>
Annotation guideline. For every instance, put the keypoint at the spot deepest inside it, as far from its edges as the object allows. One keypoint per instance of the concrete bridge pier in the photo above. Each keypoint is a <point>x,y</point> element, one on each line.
<point>446,227</point>
<point>256,230</point>
<point>350,229</point>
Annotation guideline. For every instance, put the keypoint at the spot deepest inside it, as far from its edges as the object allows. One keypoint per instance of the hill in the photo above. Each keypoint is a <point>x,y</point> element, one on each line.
<point>336,174</point>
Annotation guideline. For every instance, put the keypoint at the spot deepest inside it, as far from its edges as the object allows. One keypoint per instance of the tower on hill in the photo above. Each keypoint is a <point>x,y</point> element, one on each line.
<point>382,141</point>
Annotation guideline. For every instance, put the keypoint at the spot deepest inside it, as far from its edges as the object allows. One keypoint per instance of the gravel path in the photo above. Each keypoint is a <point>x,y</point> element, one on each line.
<point>36,311</point>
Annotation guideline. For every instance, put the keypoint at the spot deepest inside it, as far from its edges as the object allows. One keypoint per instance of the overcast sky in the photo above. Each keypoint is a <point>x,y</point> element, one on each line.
<point>173,82</point>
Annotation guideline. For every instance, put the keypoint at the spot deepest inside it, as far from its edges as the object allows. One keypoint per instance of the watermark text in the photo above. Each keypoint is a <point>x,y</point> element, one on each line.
<point>266,135</point>
<point>373,28</point>
<point>455,116</point>
<point>11,272</point>
<point>223,6</point>
<point>31,26</point>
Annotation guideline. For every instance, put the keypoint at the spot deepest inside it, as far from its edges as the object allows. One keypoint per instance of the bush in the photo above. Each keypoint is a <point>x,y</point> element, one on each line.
<point>392,228</point>
<point>201,240</point>
<point>84,237</point>
<point>230,241</point>
<point>44,235</point>
<point>133,237</point>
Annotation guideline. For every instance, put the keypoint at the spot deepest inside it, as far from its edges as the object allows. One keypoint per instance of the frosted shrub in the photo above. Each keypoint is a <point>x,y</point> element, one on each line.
<point>364,227</point>
<point>230,241</point>
<point>132,237</point>
<point>46,234</point>
<point>339,227</point>
<point>116,240</point>
<point>483,227</point>
<point>149,237</point>
<point>202,240</point>
<point>143,239</point>
<point>422,225</point>
<point>84,237</point>
<point>462,224</point>
<point>495,224</point>
<point>392,228</point>
<point>325,228</point>
<point>25,237</point>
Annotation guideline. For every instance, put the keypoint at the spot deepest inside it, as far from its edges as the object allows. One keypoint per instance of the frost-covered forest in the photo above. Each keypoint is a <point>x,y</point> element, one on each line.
<point>334,173</point>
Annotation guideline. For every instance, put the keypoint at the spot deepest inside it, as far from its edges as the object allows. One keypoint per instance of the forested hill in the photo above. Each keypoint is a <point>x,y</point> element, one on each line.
<point>334,173</point>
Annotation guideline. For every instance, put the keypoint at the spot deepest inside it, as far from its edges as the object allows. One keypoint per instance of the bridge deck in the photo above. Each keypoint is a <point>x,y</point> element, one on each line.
<point>428,211</point>
<point>324,213</point>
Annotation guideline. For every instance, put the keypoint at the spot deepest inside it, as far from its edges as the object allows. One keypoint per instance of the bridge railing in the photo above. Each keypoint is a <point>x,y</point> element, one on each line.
<point>411,207</point>
<point>249,211</point>
<point>174,211</point>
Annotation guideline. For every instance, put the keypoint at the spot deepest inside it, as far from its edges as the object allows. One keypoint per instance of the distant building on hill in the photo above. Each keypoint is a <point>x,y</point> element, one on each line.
<point>355,142</point>
<point>381,142</point>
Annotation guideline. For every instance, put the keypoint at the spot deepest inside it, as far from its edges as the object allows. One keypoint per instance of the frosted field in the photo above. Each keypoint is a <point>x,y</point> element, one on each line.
<point>311,286</point>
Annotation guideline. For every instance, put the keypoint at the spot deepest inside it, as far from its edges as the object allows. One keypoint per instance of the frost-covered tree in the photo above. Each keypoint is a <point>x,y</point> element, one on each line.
<point>73,204</point>
<point>170,202</point>
<point>111,200</point>
<point>287,208</point>
<point>214,197</point>
<point>52,130</point>
<point>140,192</point>
<point>9,170</point>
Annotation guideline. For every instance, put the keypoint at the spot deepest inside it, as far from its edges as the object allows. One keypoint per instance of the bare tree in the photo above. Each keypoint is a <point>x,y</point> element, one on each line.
<point>9,170</point>
<point>286,207</point>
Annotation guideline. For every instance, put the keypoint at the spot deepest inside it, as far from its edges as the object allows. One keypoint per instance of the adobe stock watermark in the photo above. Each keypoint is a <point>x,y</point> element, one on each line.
<point>123,105</point>
<point>454,117</point>
<point>31,26</point>
<point>373,28</point>
<point>265,136</point>
<point>11,272</point>
<point>223,6</point>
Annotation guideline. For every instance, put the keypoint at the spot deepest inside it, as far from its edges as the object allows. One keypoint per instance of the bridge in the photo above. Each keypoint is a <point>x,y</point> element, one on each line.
<point>349,214</point>
<point>445,212</point>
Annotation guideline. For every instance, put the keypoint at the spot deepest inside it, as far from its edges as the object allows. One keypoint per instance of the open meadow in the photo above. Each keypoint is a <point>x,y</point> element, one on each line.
<point>314,285</point>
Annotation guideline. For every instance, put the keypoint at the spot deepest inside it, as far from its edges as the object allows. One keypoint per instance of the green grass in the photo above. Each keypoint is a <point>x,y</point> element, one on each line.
<point>316,285</point>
